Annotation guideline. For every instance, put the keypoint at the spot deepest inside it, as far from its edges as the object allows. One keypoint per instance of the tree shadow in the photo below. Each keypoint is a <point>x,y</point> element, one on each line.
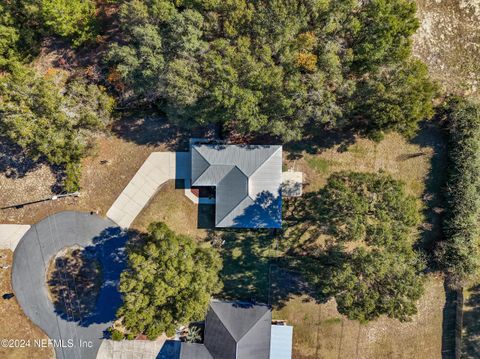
<point>264,212</point>
<point>471,325</point>
<point>319,141</point>
<point>432,136</point>
<point>150,128</point>
<point>14,162</point>
<point>449,323</point>
<point>254,268</point>
<point>109,250</point>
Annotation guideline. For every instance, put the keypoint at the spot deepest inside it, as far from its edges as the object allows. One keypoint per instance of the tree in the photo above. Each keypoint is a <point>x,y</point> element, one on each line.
<point>368,284</point>
<point>384,37</point>
<point>368,207</point>
<point>395,99</point>
<point>51,120</point>
<point>73,19</point>
<point>268,67</point>
<point>19,31</point>
<point>458,254</point>
<point>168,282</point>
<point>382,274</point>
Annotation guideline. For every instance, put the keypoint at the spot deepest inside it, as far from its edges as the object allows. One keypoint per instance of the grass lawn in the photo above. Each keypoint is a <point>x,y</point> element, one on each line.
<point>14,324</point>
<point>409,162</point>
<point>171,206</point>
<point>321,332</point>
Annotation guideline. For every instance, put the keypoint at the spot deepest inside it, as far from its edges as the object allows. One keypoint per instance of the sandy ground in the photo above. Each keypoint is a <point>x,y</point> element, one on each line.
<point>13,323</point>
<point>449,42</point>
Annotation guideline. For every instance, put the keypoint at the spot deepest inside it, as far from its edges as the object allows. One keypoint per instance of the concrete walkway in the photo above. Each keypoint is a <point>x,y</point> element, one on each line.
<point>130,349</point>
<point>10,235</point>
<point>157,169</point>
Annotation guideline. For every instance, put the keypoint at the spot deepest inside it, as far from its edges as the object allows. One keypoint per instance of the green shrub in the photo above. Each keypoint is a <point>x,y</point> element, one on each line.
<point>116,334</point>
<point>71,182</point>
<point>459,253</point>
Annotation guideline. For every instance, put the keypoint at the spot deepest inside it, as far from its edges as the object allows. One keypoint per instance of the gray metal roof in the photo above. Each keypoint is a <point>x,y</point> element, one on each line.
<point>248,180</point>
<point>194,351</point>
<point>238,330</point>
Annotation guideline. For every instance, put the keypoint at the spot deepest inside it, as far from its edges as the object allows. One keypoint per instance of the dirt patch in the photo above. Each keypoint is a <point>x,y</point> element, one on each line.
<point>321,332</point>
<point>448,40</point>
<point>74,280</point>
<point>13,323</point>
<point>114,161</point>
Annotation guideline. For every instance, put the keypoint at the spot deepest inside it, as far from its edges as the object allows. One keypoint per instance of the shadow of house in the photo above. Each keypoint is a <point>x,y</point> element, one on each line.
<point>108,249</point>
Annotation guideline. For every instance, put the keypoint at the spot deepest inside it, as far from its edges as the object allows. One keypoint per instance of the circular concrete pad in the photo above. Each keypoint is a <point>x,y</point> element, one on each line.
<point>72,337</point>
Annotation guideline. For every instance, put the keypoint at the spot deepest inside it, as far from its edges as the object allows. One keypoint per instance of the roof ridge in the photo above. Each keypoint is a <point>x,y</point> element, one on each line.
<point>223,325</point>
<point>209,167</point>
<point>266,159</point>
<point>241,200</point>
<point>256,323</point>
<point>209,164</point>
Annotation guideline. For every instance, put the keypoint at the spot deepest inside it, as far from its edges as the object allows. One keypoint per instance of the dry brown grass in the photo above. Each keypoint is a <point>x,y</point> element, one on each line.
<point>449,42</point>
<point>321,332</point>
<point>14,324</point>
<point>403,160</point>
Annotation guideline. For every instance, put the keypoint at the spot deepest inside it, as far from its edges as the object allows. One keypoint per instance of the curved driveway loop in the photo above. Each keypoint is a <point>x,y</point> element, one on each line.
<point>30,262</point>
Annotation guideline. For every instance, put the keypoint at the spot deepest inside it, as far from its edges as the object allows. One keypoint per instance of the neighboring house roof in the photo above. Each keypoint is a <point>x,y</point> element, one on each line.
<point>247,179</point>
<point>281,342</point>
<point>194,351</point>
<point>235,330</point>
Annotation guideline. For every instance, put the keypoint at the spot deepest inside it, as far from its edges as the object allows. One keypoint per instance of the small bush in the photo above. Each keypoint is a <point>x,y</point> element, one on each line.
<point>71,182</point>
<point>116,334</point>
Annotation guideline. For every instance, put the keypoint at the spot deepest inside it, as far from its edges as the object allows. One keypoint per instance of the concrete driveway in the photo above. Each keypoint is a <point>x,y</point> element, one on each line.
<point>73,337</point>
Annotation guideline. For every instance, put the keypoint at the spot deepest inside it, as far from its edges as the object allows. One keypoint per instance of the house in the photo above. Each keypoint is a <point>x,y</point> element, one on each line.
<point>238,330</point>
<point>247,181</point>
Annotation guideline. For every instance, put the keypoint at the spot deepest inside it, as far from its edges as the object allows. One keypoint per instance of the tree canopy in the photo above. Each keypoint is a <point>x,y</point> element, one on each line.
<point>381,272</point>
<point>372,208</point>
<point>272,67</point>
<point>169,281</point>
<point>24,22</point>
<point>368,283</point>
<point>50,119</point>
<point>72,19</point>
